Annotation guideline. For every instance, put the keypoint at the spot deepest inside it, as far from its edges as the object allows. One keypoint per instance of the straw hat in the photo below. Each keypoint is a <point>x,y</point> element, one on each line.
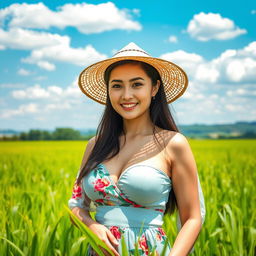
<point>91,79</point>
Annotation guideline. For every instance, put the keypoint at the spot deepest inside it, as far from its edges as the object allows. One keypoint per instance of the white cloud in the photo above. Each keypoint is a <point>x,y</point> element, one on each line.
<point>234,107</point>
<point>181,56</point>
<point>33,108</point>
<point>173,39</point>
<point>54,93</point>
<point>17,38</point>
<point>24,72</point>
<point>87,18</point>
<point>188,61</point>
<point>51,98</point>
<point>232,66</point>
<point>44,65</point>
<point>64,53</point>
<point>12,85</point>
<point>253,12</point>
<point>207,73</point>
<point>241,92</point>
<point>21,110</point>
<point>225,86</point>
<point>47,48</point>
<point>237,66</point>
<point>212,26</point>
<point>35,92</point>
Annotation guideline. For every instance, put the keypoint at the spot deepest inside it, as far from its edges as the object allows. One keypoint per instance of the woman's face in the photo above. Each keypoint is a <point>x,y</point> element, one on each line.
<point>130,90</point>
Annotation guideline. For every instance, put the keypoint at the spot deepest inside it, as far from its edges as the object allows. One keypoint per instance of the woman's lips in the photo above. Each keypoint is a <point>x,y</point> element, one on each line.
<point>129,106</point>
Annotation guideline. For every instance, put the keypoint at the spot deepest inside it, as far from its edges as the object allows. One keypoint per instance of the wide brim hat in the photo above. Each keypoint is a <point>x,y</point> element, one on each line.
<point>91,79</point>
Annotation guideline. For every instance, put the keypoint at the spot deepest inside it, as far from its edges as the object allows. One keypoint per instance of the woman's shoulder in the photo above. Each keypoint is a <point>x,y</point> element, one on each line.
<point>173,136</point>
<point>91,141</point>
<point>174,140</point>
<point>177,144</point>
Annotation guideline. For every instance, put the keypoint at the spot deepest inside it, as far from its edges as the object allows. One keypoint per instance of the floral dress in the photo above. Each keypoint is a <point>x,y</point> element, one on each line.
<point>133,207</point>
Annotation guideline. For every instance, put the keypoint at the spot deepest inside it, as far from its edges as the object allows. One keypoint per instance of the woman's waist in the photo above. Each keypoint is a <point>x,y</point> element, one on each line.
<point>127,216</point>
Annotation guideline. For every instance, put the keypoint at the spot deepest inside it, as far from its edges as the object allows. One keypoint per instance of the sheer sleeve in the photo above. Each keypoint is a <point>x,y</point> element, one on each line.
<point>79,198</point>
<point>202,208</point>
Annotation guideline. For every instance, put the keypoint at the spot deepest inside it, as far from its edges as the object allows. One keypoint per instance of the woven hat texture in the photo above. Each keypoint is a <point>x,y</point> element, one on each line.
<point>91,79</point>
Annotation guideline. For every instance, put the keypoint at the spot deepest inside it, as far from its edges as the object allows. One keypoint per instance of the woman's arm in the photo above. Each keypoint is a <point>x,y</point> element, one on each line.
<point>185,186</point>
<point>79,203</point>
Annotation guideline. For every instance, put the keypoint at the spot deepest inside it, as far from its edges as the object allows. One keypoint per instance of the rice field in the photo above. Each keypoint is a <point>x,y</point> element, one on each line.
<point>36,182</point>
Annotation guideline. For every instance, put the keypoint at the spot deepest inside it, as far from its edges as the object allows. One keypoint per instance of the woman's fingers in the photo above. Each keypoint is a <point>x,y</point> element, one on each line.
<point>105,252</point>
<point>112,238</point>
<point>109,245</point>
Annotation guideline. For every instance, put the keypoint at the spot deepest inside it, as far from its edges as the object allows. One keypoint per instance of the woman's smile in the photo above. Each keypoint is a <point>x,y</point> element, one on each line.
<point>129,106</point>
<point>130,91</point>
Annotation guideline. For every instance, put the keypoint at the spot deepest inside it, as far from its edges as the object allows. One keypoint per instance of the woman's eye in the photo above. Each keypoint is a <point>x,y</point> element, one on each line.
<point>137,84</point>
<point>115,85</point>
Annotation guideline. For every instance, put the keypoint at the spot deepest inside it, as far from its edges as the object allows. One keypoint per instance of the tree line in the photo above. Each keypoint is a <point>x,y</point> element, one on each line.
<point>57,134</point>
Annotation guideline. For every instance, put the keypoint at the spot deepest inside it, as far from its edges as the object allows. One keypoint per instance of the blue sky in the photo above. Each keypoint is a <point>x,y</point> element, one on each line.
<point>45,45</point>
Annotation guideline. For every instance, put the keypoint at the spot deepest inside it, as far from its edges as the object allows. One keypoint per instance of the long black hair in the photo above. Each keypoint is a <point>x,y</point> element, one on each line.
<point>111,125</point>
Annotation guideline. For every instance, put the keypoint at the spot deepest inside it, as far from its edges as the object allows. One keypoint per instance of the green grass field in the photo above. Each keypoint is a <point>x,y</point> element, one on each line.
<point>37,178</point>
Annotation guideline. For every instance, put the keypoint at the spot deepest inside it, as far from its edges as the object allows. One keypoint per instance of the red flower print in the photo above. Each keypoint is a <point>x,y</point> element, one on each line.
<point>161,231</point>
<point>100,184</point>
<point>143,244</point>
<point>77,191</point>
<point>99,200</point>
<point>158,237</point>
<point>131,202</point>
<point>115,231</point>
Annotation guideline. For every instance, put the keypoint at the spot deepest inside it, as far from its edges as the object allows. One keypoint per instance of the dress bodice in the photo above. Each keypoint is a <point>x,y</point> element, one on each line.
<point>140,185</point>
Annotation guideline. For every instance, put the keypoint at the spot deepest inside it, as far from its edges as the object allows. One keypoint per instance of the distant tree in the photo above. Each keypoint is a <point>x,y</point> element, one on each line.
<point>66,134</point>
<point>23,136</point>
<point>46,135</point>
<point>35,135</point>
<point>249,134</point>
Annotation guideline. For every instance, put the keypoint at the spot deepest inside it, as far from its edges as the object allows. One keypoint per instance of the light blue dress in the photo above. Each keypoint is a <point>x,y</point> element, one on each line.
<point>138,198</point>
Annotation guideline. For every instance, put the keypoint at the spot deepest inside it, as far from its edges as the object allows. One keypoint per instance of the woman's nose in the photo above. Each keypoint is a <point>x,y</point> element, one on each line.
<point>127,93</point>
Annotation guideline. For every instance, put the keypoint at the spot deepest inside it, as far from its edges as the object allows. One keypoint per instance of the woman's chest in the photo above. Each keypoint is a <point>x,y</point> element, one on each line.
<point>147,153</point>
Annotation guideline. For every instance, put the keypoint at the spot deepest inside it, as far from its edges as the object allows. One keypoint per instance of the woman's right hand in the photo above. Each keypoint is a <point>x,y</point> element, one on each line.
<point>106,236</point>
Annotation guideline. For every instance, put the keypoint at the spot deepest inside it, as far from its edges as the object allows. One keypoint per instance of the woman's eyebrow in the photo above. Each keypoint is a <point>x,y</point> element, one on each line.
<point>136,78</point>
<point>131,80</point>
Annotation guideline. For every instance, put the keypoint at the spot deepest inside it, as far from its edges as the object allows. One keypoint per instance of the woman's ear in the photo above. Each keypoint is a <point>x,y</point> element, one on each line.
<point>155,88</point>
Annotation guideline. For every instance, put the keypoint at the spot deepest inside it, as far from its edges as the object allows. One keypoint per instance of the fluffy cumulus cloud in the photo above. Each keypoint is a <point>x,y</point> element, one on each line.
<point>21,39</point>
<point>221,86</point>
<point>237,66</point>
<point>232,66</point>
<point>47,48</point>
<point>46,98</point>
<point>23,109</point>
<point>64,53</point>
<point>212,26</point>
<point>24,72</point>
<point>34,108</point>
<point>18,21</point>
<point>52,93</point>
<point>87,18</point>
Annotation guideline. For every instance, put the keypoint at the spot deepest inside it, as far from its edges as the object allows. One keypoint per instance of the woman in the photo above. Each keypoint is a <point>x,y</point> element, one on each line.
<point>138,167</point>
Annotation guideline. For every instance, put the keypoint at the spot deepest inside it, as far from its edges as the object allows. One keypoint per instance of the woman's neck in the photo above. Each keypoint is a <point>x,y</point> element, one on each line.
<point>138,127</point>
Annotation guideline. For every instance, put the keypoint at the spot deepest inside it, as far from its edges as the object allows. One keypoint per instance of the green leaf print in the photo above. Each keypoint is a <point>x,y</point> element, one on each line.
<point>101,173</point>
<point>110,189</point>
<point>134,252</point>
